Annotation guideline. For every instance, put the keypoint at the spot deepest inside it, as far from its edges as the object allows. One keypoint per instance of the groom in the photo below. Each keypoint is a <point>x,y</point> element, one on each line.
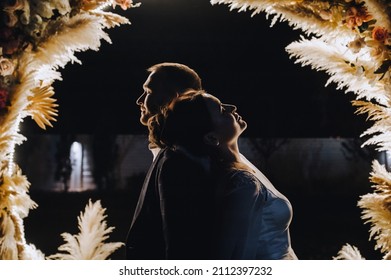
<point>165,82</point>
<point>161,229</point>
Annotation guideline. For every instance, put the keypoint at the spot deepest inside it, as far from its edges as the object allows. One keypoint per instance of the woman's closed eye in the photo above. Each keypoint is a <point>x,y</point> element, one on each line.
<point>224,109</point>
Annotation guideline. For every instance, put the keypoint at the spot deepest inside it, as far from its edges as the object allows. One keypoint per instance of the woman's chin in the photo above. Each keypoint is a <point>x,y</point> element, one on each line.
<point>243,125</point>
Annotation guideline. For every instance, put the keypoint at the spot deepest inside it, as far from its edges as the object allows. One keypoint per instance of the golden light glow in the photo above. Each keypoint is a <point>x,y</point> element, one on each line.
<point>11,156</point>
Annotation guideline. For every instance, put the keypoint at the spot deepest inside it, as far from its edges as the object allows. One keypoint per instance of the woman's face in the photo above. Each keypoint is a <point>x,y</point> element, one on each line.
<point>228,125</point>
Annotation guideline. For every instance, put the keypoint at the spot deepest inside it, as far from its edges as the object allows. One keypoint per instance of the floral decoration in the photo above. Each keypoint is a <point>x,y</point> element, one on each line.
<point>37,37</point>
<point>351,41</point>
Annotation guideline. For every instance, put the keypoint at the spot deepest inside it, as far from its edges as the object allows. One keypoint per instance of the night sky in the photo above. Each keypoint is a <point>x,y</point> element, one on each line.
<point>241,59</point>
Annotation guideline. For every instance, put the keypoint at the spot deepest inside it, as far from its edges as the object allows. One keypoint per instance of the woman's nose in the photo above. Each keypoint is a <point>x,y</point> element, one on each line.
<point>231,108</point>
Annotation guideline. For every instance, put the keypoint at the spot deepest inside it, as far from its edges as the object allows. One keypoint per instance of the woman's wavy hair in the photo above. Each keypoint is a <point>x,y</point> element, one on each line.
<point>184,122</point>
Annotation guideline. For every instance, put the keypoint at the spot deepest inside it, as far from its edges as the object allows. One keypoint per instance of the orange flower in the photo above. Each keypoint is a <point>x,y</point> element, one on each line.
<point>380,34</point>
<point>124,4</point>
<point>356,16</point>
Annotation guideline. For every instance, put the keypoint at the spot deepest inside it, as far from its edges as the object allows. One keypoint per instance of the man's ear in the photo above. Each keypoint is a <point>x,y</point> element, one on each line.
<point>211,139</point>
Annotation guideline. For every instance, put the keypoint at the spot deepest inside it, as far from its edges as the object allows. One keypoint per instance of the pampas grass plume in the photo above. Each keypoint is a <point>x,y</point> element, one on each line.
<point>349,252</point>
<point>89,243</point>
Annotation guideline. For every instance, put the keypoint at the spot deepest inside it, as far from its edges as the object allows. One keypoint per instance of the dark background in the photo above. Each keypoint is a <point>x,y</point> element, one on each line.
<point>240,59</point>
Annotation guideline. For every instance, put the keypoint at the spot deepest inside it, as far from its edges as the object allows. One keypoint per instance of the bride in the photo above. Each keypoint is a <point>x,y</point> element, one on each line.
<point>251,219</point>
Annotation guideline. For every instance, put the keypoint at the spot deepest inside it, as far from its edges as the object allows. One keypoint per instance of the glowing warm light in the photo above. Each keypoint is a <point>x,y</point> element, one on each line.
<point>14,131</point>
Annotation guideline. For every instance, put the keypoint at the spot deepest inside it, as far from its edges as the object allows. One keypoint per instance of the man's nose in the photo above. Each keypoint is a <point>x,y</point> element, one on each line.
<point>141,99</point>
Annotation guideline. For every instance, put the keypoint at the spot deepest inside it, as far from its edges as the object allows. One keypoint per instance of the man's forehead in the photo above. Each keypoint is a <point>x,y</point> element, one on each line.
<point>146,86</point>
<point>147,82</point>
<point>152,81</point>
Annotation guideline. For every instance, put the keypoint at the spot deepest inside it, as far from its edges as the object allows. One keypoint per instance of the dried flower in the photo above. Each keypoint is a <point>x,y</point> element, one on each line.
<point>42,33</point>
<point>349,252</point>
<point>379,52</point>
<point>62,6</point>
<point>380,34</point>
<point>6,66</point>
<point>3,98</point>
<point>356,45</point>
<point>7,81</point>
<point>89,243</point>
<point>46,9</point>
<point>326,14</point>
<point>14,5</point>
<point>42,106</point>
<point>356,16</point>
<point>124,4</point>
<point>10,19</point>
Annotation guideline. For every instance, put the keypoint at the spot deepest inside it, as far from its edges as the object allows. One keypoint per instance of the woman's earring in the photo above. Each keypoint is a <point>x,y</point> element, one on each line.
<point>214,141</point>
<point>210,139</point>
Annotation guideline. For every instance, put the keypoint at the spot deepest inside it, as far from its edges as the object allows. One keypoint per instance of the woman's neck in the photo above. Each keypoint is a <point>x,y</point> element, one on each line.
<point>229,153</point>
<point>229,157</point>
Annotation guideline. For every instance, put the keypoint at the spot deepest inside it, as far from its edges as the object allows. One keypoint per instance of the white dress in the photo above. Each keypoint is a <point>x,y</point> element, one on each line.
<point>252,220</point>
<point>280,214</point>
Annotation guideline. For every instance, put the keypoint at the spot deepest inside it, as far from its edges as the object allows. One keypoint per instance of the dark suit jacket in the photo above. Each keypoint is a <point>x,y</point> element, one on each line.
<point>174,215</point>
<point>145,238</point>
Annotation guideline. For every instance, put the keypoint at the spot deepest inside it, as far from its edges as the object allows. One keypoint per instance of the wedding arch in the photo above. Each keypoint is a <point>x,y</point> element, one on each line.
<point>348,39</point>
<point>351,41</point>
<point>36,39</point>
